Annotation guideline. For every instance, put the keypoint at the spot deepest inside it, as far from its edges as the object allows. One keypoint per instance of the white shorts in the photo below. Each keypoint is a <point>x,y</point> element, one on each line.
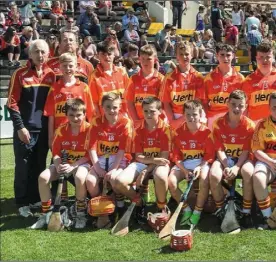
<point>190,164</point>
<point>212,119</point>
<point>259,163</point>
<point>111,160</point>
<point>139,167</point>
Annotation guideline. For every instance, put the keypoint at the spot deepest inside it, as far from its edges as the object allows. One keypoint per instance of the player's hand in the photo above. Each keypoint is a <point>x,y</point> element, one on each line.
<point>197,172</point>
<point>100,172</point>
<point>159,161</point>
<point>24,135</point>
<point>226,172</point>
<point>233,172</point>
<point>110,174</point>
<point>65,168</point>
<point>188,174</point>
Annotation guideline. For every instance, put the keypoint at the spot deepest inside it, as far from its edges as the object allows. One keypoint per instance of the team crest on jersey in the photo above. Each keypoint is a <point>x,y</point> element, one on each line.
<point>216,86</point>
<point>29,79</point>
<point>65,143</point>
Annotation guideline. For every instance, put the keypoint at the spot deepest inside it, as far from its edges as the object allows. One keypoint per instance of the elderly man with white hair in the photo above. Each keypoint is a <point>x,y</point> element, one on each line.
<point>28,91</point>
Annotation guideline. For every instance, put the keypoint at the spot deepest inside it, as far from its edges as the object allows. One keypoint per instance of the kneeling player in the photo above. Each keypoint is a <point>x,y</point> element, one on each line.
<point>192,153</point>
<point>263,146</point>
<point>73,138</point>
<point>151,148</point>
<point>232,134</point>
<point>110,140</point>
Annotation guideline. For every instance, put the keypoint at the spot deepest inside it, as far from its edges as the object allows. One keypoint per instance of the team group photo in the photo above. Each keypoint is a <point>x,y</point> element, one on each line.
<point>138,130</point>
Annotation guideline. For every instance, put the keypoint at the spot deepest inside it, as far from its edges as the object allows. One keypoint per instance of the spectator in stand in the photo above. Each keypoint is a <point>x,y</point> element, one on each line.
<point>254,38</point>
<point>251,20</point>
<point>231,34</point>
<point>216,21</point>
<point>200,26</point>
<point>57,17</point>
<point>132,51</point>
<point>177,10</point>
<point>42,9</point>
<point>268,10</point>
<point>259,9</point>
<point>84,4</point>
<point>112,40</point>
<point>70,26</point>
<point>105,7</point>
<point>237,16</point>
<point>2,22</point>
<point>88,48</point>
<point>119,32</point>
<point>222,11</point>
<point>163,41</point>
<point>131,35</point>
<point>89,23</point>
<point>247,10</point>
<point>35,26</point>
<point>198,47</point>
<point>26,12</point>
<point>53,44</point>
<point>271,24</point>
<point>210,45</point>
<point>10,46</point>
<point>264,26</point>
<point>207,19</point>
<point>25,41</point>
<point>131,65</point>
<point>130,17</point>
<point>141,11</point>
<point>14,20</point>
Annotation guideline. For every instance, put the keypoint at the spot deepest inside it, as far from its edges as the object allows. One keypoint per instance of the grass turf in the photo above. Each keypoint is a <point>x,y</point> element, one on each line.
<point>20,243</point>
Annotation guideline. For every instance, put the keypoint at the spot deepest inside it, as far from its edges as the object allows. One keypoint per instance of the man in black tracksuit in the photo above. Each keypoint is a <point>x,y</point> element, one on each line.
<point>28,91</point>
<point>177,9</point>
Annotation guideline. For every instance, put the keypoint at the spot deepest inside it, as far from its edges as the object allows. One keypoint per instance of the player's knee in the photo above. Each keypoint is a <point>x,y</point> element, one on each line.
<point>44,177</point>
<point>172,183</point>
<point>119,183</point>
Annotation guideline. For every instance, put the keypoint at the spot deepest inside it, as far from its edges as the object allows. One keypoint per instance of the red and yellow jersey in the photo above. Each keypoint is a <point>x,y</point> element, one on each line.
<point>59,94</point>
<point>179,88</point>
<point>233,141</point>
<point>264,137</point>
<point>218,88</point>
<point>188,146</point>
<point>152,143</point>
<point>107,139</point>
<point>83,72</point>
<point>140,87</point>
<point>102,83</point>
<point>258,89</point>
<point>75,146</point>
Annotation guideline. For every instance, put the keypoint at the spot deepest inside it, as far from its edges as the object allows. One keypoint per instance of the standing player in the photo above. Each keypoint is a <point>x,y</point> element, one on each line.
<point>193,153</point>
<point>180,86</point>
<point>264,149</point>
<point>107,77</point>
<point>73,137</point>
<point>146,82</point>
<point>28,91</point>
<point>220,83</point>
<point>68,44</point>
<point>260,84</point>
<point>110,140</point>
<point>232,134</point>
<point>67,87</point>
<point>151,146</point>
